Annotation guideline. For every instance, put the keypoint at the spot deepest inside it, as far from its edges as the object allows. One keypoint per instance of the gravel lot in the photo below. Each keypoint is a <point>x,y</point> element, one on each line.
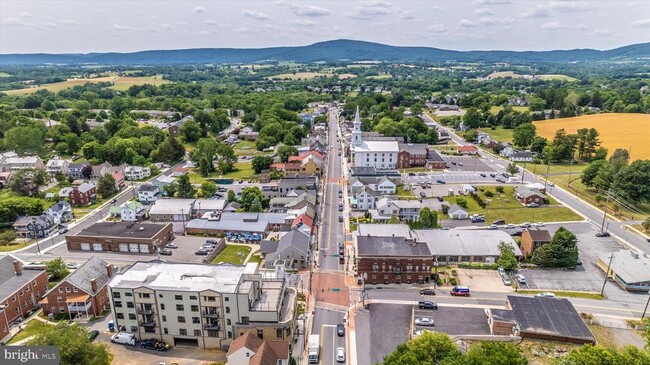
<point>483,280</point>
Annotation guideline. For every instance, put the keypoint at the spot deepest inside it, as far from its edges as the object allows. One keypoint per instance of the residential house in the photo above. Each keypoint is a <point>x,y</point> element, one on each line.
<point>3,159</point>
<point>248,134</point>
<point>312,165</point>
<point>364,199</point>
<point>133,211</point>
<point>287,184</point>
<point>507,150</point>
<point>249,349</point>
<point>148,193</point>
<point>35,226</point>
<point>292,168</point>
<point>137,172</point>
<point>293,250</point>
<point>405,210</point>
<point>84,194</point>
<point>467,150</point>
<point>61,211</point>
<point>383,184</point>
<point>175,127</point>
<point>57,165</point>
<point>456,212</point>
<point>118,176</point>
<point>527,196</point>
<point>83,293</point>
<point>16,163</point>
<point>532,239</point>
<point>522,156</point>
<point>20,291</point>
<point>101,170</point>
<point>75,170</point>
<point>466,189</point>
<point>412,155</point>
<point>161,181</point>
<point>435,161</point>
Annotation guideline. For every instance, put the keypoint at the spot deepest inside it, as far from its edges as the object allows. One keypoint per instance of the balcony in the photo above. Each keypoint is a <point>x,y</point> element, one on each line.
<point>148,324</point>
<point>145,311</point>
<point>211,314</point>
<point>213,326</point>
<point>397,270</point>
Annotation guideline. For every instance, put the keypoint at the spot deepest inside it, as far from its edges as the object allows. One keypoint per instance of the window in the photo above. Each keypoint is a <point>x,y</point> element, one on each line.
<point>160,295</point>
<point>178,297</point>
<point>465,259</point>
<point>75,290</point>
<point>164,318</point>
<point>61,310</point>
<point>180,307</point>
<point>229,334</point>
<point>58,299</point>
<point>134,328</point>
<point>211,299</point>
<point>119,315</point>
<point>132,316</point>
<point>193,297</point>
<point>197,333</point>
<point>60,290</point>
<point>180,319</point>
<point>194,308</point>
<point>182,332</point>
<point>278,333</point>
<point>130,305</point>
<point>162,306</point>
<point>228,322</point>
<point>166,331</point>
<point>213,333</point>
<point>127,294</point>
<point>227,309</point>
<point>260,334</point>
<point>195,320</point>
<point>118,304</point>
<point>227,299</point>
<point>145,295</point>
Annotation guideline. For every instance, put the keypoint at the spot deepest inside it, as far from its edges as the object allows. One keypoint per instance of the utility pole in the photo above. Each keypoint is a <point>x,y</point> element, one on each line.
<point>611,257</point>
<point>523,172</point>
<point>548,166</point>
<point>570,171</point>
<point>646,306</point>
<point>602,225</point>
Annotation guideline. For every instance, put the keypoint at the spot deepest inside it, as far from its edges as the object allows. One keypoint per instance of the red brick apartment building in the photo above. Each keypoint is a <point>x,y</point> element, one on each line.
<point>393,260</point>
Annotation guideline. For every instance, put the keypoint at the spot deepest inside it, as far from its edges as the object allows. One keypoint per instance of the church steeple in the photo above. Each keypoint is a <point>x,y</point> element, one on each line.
<point>356,131</point>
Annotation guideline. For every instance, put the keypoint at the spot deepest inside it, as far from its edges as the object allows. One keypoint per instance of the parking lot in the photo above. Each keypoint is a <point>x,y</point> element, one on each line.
<point>380,329</point>
<point>585,277</point>
<point>466,163</point>
<point>486,280</point>
<point>453,320</point>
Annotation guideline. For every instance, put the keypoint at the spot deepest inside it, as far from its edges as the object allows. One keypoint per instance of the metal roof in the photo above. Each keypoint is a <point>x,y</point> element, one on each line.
<point>465,243</point>
<point>391,246</point>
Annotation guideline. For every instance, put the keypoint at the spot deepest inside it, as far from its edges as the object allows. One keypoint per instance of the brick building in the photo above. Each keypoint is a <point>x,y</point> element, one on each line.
<point>20,291</point>
<point>84,194</point>
<point>393,260</point>
<point>412,155</point>
<point>133,237</point>
<point>532,239</point>
<point>83,293</point>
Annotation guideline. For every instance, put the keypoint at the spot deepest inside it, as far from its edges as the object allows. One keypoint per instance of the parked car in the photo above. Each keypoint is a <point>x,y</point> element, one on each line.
<point>550,184</point>
<point>425,304</point>
<point>340,330</point>
<point>92,335</point>
<point>493,227</point>
<point>517,232</point>
<point>525,225</point>
<point>124,338</point>
<point>521,279</point>
<point>340,354</point>
<point>441,181</point>
<point>499,221</point>
<point>493,175</point>
<point>546,295</point>
<point>428,292</point>
<point>211,241</point>
<point>483,175</point>
<point>602,234</point>
<point>154,344</point>
<point>540,224</point>
<point>428,322</point>
<point>201,252</point>
<point>411,173</point>
<point>166,252</point>
<point>501,180</point>
<point>440,199</point>
<point>510,226</point>
<point>532,205</point>
<point>63,230</point>
<point>72,265</point>
<point>422,194</point>
<point>171,245</point>
<point>340,218</point>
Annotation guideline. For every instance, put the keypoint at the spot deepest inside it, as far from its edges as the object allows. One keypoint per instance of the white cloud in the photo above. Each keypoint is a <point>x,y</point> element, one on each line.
<point>49,25</point>
<point>314,11</point>
<point>198,10</point>
<point>600,32</point>
<point>569,6</point>
<point>537,12</point>
<point>468,24</point>
<point>556,25</point>
<point>25,14</point>
<point>483,11</point>
<point>12,21</point>
<point>370,9</point>
<point>121,28</point>
<point>407,15</point>
<point>641,23</point>
<point>304,22</point>
<point>180,24</point>
<point>255,15</point>
<point>68,22</point>
<point>210,22</point>
<point>493,2</point>
<point>437,28</point>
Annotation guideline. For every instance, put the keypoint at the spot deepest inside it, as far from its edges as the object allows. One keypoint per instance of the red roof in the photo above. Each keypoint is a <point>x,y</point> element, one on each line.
<point>296,158</point>
<point>304,218</point>
<point>277,166</point>
<point>307,153</point>
<point>467,148</point>
<point>292,166</point>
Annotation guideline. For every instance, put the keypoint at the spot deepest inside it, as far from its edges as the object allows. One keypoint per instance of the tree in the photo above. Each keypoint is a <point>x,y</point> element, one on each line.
<point>260,163</point>
<point>646,224</point>
<point>428,348</point>
<point>25,182</point>
<point>524,135</point>
<point>74,345</point>
<point>203,155</point>
<point>512,168</point>
<point>284,152</point>
<point>190,131</point>
<point>56,269</point>
<point>227,158</point>
<point>562,251</point>
<point>208,189</point>
<point>170,189</point>
<point>470,135</point>
<point>169,151</point>
<point>538,144</point>
<point>87,171</point>
<point>590,172</point>
<point>631,182</point>
<point>231,196</point>
<point>472,118</point>
<point>185,188</point>
<point>646,333</point>
<point>25,139</point>
<point>256,206</point>
<point>507,258</point>
<point>428,218</point>
<point>106,186</point>
<point>495,353</point>
<point>248,197</point>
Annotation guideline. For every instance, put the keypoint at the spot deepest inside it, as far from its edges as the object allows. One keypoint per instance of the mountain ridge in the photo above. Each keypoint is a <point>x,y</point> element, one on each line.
<point>328,51</point>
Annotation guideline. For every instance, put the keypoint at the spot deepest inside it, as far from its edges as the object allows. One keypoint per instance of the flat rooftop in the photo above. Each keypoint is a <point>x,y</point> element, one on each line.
<point>465,243</point>
<point>157,275</point>
<point>123,229</point>
<point>384,230</point>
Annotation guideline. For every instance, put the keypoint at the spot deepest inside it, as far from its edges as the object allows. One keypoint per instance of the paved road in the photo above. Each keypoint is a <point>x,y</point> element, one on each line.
<point>330,342</point>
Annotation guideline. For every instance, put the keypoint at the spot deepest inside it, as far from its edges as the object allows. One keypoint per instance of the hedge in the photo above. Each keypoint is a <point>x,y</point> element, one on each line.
<point>477,265</point>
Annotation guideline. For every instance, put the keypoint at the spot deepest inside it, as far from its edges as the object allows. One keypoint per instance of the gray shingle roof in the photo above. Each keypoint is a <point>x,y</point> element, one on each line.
<point>92,269</point>
<point>297,239</point>
<point>9,281</point>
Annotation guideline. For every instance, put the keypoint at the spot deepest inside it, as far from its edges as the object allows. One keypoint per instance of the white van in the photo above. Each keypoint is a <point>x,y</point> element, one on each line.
<point>123,338</point>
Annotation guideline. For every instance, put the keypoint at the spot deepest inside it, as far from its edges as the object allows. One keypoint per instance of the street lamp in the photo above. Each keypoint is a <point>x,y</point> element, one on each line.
<point>435,276</point>
<point>36,234</point>
<point>646,306</point>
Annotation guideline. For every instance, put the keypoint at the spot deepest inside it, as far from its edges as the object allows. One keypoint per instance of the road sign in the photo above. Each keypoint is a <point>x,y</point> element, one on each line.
<point>336,289</point>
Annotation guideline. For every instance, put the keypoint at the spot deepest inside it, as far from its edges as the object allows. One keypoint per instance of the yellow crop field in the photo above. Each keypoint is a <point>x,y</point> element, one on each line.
<point>617,130</point>
<point>119,83</point>
<point>347,76</point>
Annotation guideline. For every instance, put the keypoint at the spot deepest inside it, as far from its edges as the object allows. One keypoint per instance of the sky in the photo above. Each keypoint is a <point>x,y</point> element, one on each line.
<point>80,26</point>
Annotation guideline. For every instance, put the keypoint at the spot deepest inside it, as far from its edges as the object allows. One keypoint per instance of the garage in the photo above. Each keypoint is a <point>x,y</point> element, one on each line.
<point>124,247</point>
<point>144,248</point>
<point>85,246</point>
<point>186,342</point>
<point>97,247</point>
<point>133,248</point>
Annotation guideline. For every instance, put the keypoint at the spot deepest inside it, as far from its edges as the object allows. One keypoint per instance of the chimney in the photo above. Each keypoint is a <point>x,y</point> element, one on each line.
<point>93,285</point>
<point>109,270</point>
<point>18,267</point>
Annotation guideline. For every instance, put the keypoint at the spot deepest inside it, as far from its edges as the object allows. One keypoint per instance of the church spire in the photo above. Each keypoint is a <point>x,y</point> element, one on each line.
<point>356,131</point>
<point>357,119</point>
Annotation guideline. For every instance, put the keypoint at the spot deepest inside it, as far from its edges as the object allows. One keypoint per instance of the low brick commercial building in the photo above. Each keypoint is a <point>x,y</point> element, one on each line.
<point>130,237</point>
<point>20,291</point>
<point>393,260</point>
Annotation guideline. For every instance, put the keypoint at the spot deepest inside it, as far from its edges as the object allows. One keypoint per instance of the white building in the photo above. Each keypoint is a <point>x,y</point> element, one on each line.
<point>55,165</point>
<point>378,154</point>
<point>132,211</point>
<point>148,194</point>
<point>136,172</point>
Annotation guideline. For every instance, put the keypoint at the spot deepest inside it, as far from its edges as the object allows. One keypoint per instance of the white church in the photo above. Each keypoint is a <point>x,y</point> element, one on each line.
<point>377,154</point>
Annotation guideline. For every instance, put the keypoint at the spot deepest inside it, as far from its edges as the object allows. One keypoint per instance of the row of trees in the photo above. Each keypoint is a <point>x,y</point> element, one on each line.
<point>629,181</point>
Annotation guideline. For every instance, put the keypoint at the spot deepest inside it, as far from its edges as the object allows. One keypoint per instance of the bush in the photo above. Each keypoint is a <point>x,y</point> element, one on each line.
<point>489,194</point>
<point>500,189</point>
<point>454,272</point>
<point>477,265</point>
<point>453,281</point>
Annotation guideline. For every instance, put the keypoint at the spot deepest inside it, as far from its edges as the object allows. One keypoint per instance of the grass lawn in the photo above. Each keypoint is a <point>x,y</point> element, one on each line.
<point>246,148</point>
<point>505,206</point>
<point>414,169</point>
<point>566,294</point>
<point>255,258</point>
<point>243,171</point>
<point>231,254</point>
<point>404,194</point>
<point>379,77</point>
<point>497,109</point>
<point>82,211</point>
<point>13,246</point>
<point>32,328</point>
<point>499,134</point>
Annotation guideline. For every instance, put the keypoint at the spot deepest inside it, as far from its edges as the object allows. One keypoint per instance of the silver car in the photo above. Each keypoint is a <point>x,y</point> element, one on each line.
<point>340,354</point>
<point>428,322</point>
